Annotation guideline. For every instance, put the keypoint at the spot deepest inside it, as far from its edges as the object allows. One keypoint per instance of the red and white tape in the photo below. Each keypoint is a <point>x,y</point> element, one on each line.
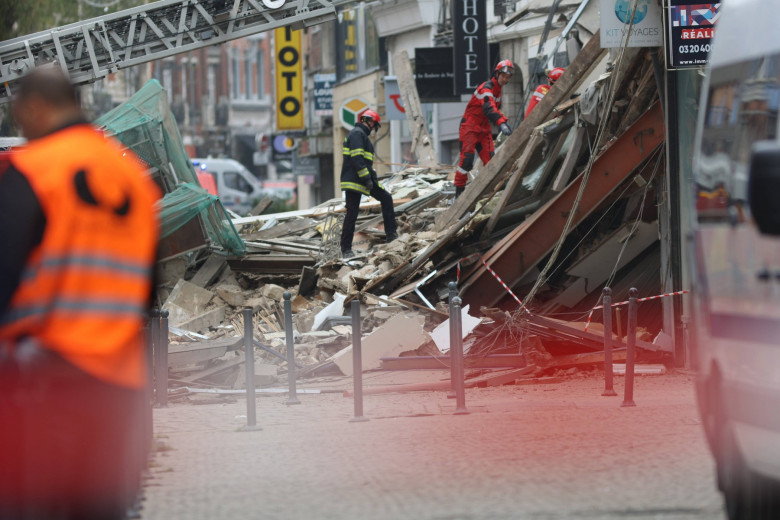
<point>590,314</point>
<point>505,286</point>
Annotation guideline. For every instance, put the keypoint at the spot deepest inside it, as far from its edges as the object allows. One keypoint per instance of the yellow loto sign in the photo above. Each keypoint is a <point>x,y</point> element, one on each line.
<point>289,79</point>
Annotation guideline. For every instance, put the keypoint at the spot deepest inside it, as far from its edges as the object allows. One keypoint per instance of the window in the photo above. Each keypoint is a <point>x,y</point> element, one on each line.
<point>249,90</point>
<point>260,93</point>
<point>235,181</point>
<point>236,73</point>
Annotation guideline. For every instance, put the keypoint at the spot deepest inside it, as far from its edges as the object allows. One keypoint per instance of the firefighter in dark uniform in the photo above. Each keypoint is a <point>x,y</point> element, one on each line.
<point>358,178</point>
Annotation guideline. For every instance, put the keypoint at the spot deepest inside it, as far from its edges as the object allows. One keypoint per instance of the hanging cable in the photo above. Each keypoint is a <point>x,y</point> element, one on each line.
<point>586,176</point>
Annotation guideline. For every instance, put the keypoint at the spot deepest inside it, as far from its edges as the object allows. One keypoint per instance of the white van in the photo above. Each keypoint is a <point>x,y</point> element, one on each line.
<point>736,258</point>
<point>237,188</point>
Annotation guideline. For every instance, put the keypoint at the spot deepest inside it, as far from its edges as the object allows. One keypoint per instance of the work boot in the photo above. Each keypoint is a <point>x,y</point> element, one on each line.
<point>390,237</point>
<point>348,253</point>
<point>459,190</point>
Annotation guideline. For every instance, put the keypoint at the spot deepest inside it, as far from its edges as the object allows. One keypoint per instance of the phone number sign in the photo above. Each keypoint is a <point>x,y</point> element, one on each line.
<point>689,30</point>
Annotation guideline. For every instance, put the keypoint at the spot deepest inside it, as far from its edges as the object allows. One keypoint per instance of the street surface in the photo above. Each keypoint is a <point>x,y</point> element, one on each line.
<point>555,451</point>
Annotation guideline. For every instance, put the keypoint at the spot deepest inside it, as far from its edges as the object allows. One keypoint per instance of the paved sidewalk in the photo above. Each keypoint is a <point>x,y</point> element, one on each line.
<point>557,451</point>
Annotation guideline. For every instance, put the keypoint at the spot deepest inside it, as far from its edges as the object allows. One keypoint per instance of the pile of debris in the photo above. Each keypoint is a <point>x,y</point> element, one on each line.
<point>565,207</point>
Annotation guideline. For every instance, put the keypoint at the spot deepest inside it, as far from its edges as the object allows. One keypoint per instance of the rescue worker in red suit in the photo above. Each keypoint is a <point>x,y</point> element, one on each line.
<point>78,242</point>
<point>358,178</point>
<point>475,133</point>
<point>541,90</point>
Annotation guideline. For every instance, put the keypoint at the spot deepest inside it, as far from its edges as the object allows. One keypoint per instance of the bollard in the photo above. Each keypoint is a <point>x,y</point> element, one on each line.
<point>357,364</point>
<point>607,304</point>
<point>162,361</point>
<point>151,348</point>
<point>456,353</point>
<point>619,324</point>
<point>628,397</point>
<point>249,361</point>
<point>453,286</point>
<point>686,338</point>
<point>292,394</point>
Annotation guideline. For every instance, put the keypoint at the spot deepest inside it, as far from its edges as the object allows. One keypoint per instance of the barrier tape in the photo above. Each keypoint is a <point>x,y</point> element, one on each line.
<point>590,314</point>
<point>491,271</point>
<point>457,270</point>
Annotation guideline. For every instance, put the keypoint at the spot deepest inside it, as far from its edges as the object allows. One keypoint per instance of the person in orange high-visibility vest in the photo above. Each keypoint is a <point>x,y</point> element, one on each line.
<point>78,235</point>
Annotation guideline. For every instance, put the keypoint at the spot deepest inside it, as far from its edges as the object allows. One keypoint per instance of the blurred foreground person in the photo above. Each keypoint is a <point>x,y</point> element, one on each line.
<point>78,237</point>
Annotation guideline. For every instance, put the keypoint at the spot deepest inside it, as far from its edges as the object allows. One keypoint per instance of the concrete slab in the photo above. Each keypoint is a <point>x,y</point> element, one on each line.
<point>232,294</point>
<point>401,333</point>
<point>209,271</point>
<point>204,321</point>
<point>190,297</point>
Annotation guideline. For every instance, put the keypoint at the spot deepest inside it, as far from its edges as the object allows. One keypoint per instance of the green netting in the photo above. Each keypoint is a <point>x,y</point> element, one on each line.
<point>145,124</point>
<point>182,205</point>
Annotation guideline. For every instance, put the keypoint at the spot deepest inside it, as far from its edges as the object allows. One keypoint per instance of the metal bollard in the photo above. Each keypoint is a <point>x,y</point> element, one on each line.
<point>152,336</point>
<point>686,338</point>
<point>456,351</point>
<point>453,286</point>
<point>161,366</point>
<point>292,394</point>
<point>628,397</point>
<point>607,303</point>
<point>249,361</point>
<point>357,364</point>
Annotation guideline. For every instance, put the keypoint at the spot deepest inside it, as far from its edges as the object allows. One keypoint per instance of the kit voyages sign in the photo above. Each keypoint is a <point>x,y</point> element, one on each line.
<point>690,27</point>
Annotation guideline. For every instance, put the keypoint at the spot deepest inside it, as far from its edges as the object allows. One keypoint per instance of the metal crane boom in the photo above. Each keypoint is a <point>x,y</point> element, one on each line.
<point>94,48</point>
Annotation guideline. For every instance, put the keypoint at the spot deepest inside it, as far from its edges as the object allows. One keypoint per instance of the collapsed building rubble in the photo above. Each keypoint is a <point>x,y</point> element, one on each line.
<point>567,206</point>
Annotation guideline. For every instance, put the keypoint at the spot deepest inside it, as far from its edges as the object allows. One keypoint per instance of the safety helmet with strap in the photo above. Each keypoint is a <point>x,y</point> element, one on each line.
<point>504,66</point>
<point>555,74</point>
<point>373,116</point>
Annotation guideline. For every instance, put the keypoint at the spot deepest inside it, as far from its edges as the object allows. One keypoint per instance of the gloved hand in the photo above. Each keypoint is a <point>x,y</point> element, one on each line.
<point>369,184</point>
<point>505,129</point>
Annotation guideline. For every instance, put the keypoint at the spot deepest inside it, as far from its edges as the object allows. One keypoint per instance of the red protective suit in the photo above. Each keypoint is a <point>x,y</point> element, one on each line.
<point>475,134</point>
<point>537,96</point>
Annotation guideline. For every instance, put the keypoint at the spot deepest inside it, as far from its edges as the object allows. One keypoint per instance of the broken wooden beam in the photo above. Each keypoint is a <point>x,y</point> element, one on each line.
<point>434,362</point>
<point>518,252</point>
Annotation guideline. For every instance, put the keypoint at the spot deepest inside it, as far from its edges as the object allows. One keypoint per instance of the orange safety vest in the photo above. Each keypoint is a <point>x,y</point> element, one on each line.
<point>86,285</point>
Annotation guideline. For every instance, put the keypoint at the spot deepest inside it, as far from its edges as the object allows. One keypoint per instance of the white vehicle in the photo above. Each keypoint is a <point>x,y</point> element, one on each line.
<point>237,188</point>
<point>736,259</point>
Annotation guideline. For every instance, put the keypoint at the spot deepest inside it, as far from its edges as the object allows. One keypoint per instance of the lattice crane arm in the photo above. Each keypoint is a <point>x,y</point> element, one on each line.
<point>91,49</point>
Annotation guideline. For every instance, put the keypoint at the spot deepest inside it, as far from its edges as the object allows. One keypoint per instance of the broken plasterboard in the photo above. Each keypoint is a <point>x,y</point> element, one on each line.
<point>401,333</point>
<point>441,334</point>
<point>335,308</point>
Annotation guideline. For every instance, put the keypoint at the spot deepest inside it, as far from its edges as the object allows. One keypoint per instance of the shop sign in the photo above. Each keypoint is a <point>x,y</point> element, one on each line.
<point>689,30</point>
<point>289,79</point>
<point>471,61</point>
<point>323,94</point>
<point>350,109</point>
<point>617,26</point>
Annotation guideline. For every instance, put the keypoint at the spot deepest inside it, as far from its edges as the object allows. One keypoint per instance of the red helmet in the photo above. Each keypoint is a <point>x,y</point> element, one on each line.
<point>370,114</point>
<point>555,74</point>
<point>504,66</point>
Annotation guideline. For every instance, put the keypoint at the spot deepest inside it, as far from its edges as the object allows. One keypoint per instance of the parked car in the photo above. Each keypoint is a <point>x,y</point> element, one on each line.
<point>237,188</point>
<point>735,256</point>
